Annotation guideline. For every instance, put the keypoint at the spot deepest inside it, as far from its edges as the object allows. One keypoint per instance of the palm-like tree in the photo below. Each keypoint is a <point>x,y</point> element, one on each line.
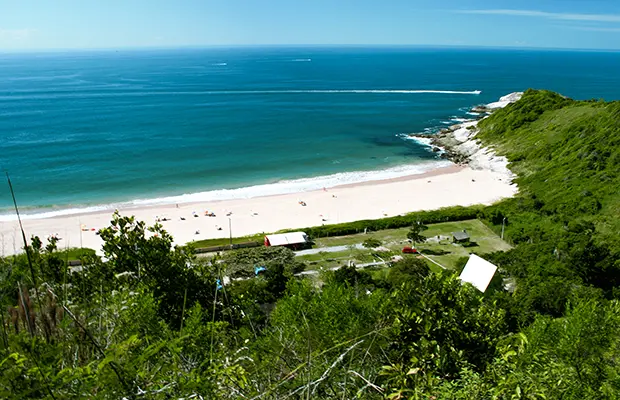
<point>415,233</point>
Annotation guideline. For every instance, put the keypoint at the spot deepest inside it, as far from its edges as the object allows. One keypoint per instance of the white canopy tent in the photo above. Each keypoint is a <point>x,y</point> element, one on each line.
<point>286,239</point>
<point>478,272</point>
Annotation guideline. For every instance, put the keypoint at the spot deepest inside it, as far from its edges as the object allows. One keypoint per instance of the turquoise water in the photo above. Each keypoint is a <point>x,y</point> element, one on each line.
<point>102,128</point>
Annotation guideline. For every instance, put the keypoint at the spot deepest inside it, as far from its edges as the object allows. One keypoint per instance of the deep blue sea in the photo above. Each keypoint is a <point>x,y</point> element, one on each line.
<point>90,129</point>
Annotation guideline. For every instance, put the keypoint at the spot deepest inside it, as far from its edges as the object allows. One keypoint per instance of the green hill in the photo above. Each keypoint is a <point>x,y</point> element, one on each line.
<point>564,222</point>
<point>566,154</point>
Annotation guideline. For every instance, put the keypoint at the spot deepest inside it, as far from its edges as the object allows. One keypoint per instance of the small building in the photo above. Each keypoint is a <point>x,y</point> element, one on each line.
<point>460,237</point>
<point>292,240</point>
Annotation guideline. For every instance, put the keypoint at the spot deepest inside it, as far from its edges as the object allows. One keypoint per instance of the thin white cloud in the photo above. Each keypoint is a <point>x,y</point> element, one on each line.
<point>547,15</point>
<point>595,29</point>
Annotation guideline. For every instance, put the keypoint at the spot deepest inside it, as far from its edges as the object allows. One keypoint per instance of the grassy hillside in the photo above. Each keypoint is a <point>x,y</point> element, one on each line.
<point>566,154</point>
<point>564,223</point>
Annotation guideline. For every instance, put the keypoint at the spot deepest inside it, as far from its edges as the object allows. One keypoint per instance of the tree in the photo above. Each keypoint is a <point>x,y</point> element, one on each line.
<point>440,327</point>
<point>351,276</point>
<point>147,254</point>
<point>415,233</point>
<point>241,263</point>
<point>371,243</point>
<point>409,268</point>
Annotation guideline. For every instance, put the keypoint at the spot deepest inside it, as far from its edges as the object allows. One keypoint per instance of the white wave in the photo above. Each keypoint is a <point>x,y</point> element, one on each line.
<point>298,185</point>
<point>422,141</point>
<point>42,77</point>
<point>382,91</point>
<point>133,80</point>
<point>221,64</point>
<point>21,113</point>
<point>282,187</point>
<point>232,92</point>
<point>460,120</point>
<point>302,60</point>
<point>56,213</point>
<point>426,142</point>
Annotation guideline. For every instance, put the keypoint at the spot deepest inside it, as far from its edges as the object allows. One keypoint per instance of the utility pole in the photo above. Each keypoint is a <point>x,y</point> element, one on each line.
<point>503,221</point>
<point>80,226</point>
<point>230,230</point>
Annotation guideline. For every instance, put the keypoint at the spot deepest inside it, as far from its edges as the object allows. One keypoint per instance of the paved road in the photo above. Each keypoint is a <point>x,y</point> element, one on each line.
<point>431,260</point>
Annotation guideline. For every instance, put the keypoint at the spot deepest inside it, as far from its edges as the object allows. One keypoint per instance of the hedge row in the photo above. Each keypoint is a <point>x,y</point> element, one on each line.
<point>212,249</point>
<point>426,217</point>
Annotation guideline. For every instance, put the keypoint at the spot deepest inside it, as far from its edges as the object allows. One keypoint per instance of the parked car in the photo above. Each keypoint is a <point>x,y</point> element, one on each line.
<point>410,250</point>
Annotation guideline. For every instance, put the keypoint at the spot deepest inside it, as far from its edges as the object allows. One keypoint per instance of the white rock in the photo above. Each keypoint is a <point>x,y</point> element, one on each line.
<point>505,100</point>
<point>482,157</point>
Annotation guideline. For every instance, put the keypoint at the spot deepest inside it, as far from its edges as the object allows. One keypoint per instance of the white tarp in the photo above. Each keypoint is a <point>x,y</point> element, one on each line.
<point>283,239</point>
<point>478,272</point>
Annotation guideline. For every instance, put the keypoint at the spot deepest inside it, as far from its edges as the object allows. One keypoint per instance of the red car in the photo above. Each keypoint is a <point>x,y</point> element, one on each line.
<point>410,250</point>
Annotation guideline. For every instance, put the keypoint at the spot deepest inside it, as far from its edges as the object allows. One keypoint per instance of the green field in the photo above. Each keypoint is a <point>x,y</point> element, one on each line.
<point>438,247</point>
<point>224,241</point>
<point>443,251</point>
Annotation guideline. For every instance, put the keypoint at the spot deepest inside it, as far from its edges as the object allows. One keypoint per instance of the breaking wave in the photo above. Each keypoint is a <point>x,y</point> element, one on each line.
<point>233,92</point>
<point>277,188</point>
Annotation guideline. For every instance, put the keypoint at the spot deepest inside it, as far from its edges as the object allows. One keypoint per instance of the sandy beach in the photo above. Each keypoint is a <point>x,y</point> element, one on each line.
<point>442,187</point>
<point>484,179</point>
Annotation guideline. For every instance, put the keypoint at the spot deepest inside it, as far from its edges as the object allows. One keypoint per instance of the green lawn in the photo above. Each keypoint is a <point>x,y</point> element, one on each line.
<point>442,251</point>
<point>438,247</point>
<point>328,260</point>
<point>223,241</point>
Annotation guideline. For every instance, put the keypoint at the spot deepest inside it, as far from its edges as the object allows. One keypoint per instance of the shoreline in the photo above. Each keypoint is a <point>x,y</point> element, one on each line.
<point>458,143</point>
<point>483,179</point>
<point>301,185</point>
<point>199,205</point>
<point>450,186</point>
<point>441,170</point>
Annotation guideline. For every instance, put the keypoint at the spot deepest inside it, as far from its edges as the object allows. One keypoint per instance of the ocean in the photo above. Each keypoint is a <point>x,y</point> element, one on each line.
<point>92,130</point>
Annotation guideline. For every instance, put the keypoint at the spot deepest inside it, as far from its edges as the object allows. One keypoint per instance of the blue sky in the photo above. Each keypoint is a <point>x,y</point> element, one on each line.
<point>87,24</point>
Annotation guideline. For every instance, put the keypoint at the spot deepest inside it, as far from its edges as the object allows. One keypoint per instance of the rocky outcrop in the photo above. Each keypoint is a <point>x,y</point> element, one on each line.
<point>458,143</point>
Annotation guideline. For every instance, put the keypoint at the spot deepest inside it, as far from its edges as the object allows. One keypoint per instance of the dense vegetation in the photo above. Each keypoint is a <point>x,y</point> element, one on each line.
<point>152,321</point>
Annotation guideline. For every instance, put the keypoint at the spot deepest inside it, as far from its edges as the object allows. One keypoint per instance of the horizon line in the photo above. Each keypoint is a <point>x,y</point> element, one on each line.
<point>293,46</point>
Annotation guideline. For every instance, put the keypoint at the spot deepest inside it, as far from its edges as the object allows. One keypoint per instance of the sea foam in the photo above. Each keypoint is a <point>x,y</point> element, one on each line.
<point>232,92</point>
<point>299,185</point>
<point>271,189</point>
<point>422,141</point>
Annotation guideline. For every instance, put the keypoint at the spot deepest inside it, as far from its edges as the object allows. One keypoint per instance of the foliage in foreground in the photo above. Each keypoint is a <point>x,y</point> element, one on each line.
<point>155,322</point>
